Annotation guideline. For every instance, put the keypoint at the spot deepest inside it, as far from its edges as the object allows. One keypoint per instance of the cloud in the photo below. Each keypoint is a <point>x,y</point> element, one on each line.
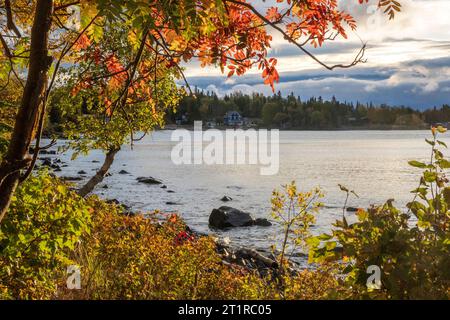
<point>419,84</point>
<point>214,89</point>
<point>230,81</point>
<point>370,88</point>
<point>432,86</point>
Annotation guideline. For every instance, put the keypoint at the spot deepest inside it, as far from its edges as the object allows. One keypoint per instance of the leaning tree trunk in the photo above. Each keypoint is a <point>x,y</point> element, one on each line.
<point>98,177</point>
<point>17,156</point>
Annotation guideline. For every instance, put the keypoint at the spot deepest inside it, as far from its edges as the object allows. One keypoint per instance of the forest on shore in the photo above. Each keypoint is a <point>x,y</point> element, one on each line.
<point>274,111</point>
<point>315,113</point>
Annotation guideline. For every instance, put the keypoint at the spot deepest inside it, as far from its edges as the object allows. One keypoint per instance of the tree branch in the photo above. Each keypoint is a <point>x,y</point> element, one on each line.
<point>64,51</point>
<point>64,6</point>
<point>9,19</point>
<point>358,58</point>
<point>5,46</point>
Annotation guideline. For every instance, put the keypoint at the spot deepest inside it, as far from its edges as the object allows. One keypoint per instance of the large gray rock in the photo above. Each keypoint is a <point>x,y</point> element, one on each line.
<point>227,217</point>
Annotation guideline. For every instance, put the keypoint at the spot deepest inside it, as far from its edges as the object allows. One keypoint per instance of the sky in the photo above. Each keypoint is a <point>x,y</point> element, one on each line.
<point>408,60</point>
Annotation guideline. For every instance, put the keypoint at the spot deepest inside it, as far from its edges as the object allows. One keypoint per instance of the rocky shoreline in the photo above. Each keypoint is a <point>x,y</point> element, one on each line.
<point>224,217</point>
<point>221,218</point>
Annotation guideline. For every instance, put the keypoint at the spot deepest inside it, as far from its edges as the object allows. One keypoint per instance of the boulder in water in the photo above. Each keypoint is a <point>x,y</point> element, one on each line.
<point>228,217</point>
<point>148,180</point>
<point>262,222</point>
<point>172,203</point>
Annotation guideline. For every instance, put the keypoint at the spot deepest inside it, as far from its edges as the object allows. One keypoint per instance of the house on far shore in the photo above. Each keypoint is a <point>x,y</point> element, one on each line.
<point>233,118</point>
<point>211,124</point>
<point>252,122</point>
<point>183,119</point>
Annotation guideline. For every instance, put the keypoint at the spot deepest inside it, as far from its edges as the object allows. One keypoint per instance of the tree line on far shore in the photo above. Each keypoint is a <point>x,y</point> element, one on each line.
<point>292,112</point>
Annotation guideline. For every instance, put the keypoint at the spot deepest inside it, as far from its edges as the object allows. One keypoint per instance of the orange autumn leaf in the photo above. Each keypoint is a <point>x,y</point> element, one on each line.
<point>116,70</point>
<point>82,43</point>
<point>273,14</point>
<point>173,218</point>
<point>108,104</point>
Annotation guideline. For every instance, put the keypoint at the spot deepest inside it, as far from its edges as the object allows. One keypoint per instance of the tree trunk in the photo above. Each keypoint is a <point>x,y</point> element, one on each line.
<point>98,177</point>
<point>27,115</point>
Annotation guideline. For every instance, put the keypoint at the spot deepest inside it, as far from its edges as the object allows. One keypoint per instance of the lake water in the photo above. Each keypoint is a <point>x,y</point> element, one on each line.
<point>373,163</point>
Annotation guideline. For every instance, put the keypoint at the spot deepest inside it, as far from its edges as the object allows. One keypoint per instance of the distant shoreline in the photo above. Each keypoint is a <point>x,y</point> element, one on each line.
<point>170,127</point>
<point>350,128</point>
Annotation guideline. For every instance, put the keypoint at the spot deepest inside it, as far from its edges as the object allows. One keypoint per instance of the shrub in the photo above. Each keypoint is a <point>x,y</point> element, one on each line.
<point>135,257</point>
<point>294,211</point>
<point>314,284</point>
<point>43,225</point>
<point>411,251</point>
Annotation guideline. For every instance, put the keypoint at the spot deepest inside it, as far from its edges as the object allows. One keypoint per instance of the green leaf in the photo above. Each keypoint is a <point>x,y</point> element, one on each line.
<point>441,129</point>
<point>417,164</point>
<point>43,246</point>
<point>446,193</point>
<point>330,245</point>
<point>325,237</point>
<point>444,164</point>
<point>430,176</point>
<point>422,191</point>
<point>313,242</point>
